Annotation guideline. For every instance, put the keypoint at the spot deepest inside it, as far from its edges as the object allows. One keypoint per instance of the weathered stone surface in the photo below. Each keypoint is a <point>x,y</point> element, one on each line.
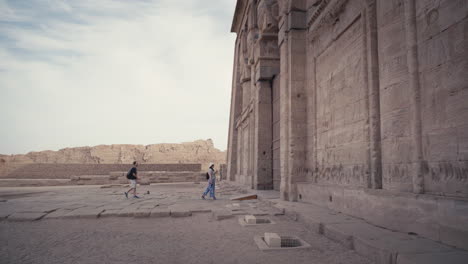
<point>109,213</point>
<point>180,213</point>
<point>160,213</point>
<point>250,219</point>
<point>60,213</point>
<point>25,216</point>
<point>456,257</point>
<point>142,212</point>
<point>85,212</point>
<point>272,239</point>
<point>222,214</point>
<point>367,95</point>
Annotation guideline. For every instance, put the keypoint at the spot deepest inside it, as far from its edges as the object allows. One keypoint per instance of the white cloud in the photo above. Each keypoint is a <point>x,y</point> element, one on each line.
<point>110,72</point>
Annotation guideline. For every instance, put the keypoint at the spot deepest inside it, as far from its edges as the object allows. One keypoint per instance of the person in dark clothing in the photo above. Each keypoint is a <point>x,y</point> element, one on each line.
<point>132,177</point>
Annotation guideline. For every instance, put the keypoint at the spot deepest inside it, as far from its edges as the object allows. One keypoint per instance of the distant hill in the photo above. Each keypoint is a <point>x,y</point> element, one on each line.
<point>199,151</point>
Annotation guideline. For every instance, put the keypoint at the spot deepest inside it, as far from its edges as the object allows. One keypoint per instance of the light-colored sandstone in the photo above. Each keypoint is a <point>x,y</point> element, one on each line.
<point>200,151</point>
<point>272,239</point>
<point>355,100</point>
<point>250,219</point>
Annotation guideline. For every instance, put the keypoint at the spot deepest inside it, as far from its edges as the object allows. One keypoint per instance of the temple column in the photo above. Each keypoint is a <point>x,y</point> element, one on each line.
<point>293,129</point>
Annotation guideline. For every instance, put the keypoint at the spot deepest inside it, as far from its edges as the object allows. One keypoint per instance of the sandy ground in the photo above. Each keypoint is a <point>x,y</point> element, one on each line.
<point>199,238</point>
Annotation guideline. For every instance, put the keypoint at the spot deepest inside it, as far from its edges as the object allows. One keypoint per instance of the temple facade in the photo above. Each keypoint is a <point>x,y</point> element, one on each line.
<point>357,105</point>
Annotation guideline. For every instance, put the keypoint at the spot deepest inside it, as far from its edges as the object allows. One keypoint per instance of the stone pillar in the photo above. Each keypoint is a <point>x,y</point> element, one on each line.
<point>373,83</point>
<point>266,67</point>
<point>293,129</point>
<point>236,107</point>
<point>414,85</point>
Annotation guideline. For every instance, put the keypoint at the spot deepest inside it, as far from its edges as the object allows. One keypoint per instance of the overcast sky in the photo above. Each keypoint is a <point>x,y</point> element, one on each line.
<point>91,72</point>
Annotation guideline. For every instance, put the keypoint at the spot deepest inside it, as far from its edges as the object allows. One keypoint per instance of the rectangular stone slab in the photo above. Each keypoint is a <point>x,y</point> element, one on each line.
<point>180,213</point>
<point>250,219</point>
<point>272,239</point>
<point>160,213</point>
<point>25,216</point>
<point>456,257</point>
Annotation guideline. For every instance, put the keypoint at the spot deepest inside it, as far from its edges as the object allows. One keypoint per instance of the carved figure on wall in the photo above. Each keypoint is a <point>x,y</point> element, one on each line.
<point>244,57</point>
<point>268,12</point>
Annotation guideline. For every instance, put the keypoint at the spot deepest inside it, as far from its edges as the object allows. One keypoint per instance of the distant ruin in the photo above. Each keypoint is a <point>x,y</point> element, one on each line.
<point>106,164</point>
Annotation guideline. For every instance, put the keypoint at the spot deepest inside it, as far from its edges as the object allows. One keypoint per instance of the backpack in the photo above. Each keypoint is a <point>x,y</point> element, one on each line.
<point>129,173</point>
<point>207,176</point>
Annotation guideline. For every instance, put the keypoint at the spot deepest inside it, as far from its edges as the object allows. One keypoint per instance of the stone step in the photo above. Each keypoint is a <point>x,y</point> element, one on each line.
<point>378,244</point>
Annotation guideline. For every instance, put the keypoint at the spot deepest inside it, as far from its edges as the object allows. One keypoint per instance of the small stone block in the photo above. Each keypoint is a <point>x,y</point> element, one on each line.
<point>160,213</point>
<point>126,212</point>
<point>272,239</point>
<point>250,219</point>
<point>181,213</point>
<point>142,213</point>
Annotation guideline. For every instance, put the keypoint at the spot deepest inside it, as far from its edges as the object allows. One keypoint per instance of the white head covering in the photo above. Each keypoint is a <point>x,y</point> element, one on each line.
<point>211,165</point>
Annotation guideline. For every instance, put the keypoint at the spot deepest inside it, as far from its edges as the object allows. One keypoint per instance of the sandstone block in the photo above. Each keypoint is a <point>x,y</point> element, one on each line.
<point>142,212</point>
<point>180,213</point>
<point>272,239</point>
<point>250,219</point>
<point>160,213</point>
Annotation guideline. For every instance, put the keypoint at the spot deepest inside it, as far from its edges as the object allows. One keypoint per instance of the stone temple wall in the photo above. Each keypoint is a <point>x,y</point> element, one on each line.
<point>370,94</point>
<point>355,99</point>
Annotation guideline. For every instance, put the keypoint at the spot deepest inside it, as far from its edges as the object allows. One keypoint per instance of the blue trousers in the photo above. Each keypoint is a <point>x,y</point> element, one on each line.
<point>210,189</point>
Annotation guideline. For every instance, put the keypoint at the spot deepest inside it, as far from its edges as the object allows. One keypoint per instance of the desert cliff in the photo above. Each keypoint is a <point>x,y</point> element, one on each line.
<point>199,151</point>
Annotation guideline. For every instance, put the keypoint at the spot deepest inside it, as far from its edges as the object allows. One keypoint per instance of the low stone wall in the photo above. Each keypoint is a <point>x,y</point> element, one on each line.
<point>145,177</point>
<point>439,218</point>
<point>66,171</point>
<point>34,182</point>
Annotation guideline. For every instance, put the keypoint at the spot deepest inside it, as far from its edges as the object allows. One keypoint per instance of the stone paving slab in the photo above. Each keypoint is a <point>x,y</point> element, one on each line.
<point>159,212</point>
<point>109,213</point>
<point>142,212</point>
<point>30,216</point>
<point>180,213</point>
<point>94,202</point>
<point>222,214</point>
<point>380,245</point>
<point>4,213</point>
<point>60,213</point>
<point>127,211</point>
<point>455,257</point>
<point>84,212</point>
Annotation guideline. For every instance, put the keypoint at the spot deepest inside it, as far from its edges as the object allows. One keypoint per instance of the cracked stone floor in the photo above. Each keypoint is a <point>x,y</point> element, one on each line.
<point>171,224</point>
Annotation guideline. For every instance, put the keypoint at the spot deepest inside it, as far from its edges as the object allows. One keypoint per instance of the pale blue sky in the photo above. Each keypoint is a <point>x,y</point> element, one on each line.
<point>91,72</point>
